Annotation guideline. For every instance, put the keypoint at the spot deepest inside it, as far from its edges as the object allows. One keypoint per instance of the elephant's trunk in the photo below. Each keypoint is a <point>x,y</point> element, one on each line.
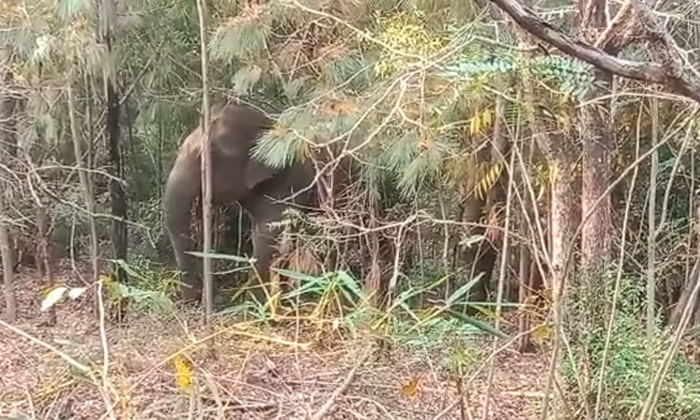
<point>181,190</point>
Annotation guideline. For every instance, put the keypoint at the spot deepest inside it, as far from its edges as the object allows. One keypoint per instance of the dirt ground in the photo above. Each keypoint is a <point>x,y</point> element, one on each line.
<point>240,371</point>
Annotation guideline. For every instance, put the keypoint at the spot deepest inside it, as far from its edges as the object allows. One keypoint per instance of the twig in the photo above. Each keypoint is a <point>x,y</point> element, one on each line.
<point>341,389</point>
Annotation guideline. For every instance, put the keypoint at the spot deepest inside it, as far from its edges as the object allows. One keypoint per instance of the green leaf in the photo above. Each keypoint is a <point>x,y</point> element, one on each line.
<point>297,90</point>
<point>244,41</point>
<point>471,240</point>
<point>278,151</point>
<point>350,283</point>
<point>483,326</point>
<point>297,275</point>
<point>463,290</point>
<point>217,256</point>
<point>402,152</point>
<point>348,71</point>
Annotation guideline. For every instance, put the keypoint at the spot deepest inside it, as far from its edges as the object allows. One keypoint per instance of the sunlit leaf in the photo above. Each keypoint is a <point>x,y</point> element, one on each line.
<point>76,292</point>
<point>53,297</point>
<point>218,256</point>
<point>541,333</point>
<point>183,374</point>
<point>410,389</point>
<point>297,90</point>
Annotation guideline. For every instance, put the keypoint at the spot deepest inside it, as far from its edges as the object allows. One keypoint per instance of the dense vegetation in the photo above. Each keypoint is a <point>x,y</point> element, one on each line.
<point>498,175</point>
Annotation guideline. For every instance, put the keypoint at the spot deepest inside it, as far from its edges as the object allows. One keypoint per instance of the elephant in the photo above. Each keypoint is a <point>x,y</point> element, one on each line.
<point>236,178</point>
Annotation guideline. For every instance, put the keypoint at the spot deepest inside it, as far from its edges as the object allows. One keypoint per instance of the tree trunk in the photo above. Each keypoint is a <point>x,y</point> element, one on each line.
<point>85,185</point>
<point>8,143</point>
<point>206,168</point>
<point>7,264</point>
<point>116,191</point>
<point>595,132</point>
<point>45,253</point>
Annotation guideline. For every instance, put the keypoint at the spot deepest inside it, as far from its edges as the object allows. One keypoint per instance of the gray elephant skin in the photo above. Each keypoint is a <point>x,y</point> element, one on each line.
<point>236,177</point>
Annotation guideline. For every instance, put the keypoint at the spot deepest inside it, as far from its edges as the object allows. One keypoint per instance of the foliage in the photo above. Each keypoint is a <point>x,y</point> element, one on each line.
<point>408,88</point>
<point>632,362</point>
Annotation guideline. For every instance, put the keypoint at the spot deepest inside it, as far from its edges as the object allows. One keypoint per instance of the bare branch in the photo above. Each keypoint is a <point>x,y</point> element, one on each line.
<point>668,73</point>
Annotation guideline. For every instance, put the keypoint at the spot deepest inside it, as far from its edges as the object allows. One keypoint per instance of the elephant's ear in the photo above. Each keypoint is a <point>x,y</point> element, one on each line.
<point>257,172</point>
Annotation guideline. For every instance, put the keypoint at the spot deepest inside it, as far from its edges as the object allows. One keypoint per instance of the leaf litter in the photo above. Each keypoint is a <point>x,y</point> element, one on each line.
<point>162,368</point>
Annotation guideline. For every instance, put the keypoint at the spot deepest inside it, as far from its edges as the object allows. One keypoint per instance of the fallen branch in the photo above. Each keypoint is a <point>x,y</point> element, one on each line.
<point>326,408</point>
<point>669,73</point>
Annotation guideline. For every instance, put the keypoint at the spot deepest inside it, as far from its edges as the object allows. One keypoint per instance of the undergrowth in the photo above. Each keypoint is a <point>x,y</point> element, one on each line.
<point>631,365</point>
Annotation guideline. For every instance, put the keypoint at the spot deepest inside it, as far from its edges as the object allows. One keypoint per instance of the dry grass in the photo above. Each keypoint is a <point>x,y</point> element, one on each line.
<point>244,372</point>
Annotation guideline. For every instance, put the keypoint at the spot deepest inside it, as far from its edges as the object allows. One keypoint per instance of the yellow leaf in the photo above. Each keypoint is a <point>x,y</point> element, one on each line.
<point>410,389</point>
<point>541,333</point>
<point>480,121</point>
<point>474,125</point>
<point>548,294</point>
<point>487,117</point>
<point>183,374</point>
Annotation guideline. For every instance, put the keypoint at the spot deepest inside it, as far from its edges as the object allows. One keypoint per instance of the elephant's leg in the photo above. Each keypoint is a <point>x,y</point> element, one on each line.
<point>236,240</point>
<point>237,235</point>
<point>263,250</point>
<point>263,211</point>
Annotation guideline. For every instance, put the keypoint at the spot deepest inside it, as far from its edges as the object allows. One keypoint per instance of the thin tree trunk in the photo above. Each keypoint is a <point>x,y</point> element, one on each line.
<point>206,166</point>
<point>651,215</point>
<point>525,290</point>
<point>8,145</point>
<point>45,253</point>
<point>116,172</point>
<point>7,264</point>
<point>84,183</point>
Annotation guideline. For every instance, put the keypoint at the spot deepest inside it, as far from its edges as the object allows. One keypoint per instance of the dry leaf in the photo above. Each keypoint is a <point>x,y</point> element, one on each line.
<point>424,142</point>
<point>541,333</point>
<point>410,389</point>
<point>341,108</point>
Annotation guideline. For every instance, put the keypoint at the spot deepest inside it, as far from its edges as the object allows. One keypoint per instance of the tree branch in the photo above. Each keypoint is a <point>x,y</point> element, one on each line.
<point>620,31</point>
<point>669,72</point>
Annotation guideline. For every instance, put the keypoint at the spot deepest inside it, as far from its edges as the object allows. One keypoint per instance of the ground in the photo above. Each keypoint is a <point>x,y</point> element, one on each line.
<point>240,371</point>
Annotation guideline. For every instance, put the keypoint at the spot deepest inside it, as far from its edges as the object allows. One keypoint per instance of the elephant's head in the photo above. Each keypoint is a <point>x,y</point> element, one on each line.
<point>233,131</point>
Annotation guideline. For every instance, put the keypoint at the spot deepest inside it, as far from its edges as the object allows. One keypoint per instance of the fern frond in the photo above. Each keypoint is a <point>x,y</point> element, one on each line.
<point>483,185</point>
<point>465,67</point>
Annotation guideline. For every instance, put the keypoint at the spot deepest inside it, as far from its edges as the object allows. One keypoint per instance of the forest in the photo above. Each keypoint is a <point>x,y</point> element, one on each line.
<point>349,209</point>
